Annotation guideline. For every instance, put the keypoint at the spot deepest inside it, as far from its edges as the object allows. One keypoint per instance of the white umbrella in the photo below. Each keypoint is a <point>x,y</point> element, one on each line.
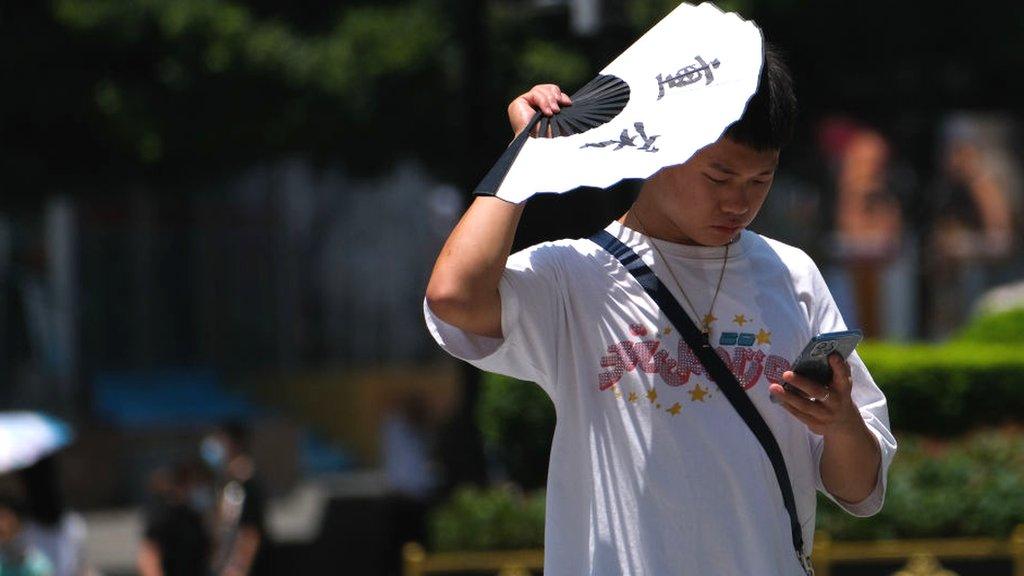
<point>27,437</point>
<point>674,91</point>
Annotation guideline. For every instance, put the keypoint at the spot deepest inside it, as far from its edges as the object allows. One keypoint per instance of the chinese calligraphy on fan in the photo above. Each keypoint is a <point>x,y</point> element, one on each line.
<point>688,75</point>
<point>625,140</point>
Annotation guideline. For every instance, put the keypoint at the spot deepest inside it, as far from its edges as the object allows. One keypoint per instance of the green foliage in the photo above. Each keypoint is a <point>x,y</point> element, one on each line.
<point>132,88</point>
<point>547,62</point>
<point>367,43</point>
<point>517,420</point>
<point>499,518</point>
<point>1005,327</point>
<point>968,488</point>
<point>948,389</point>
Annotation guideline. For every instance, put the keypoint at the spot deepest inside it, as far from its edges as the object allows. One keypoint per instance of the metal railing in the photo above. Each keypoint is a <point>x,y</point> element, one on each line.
<point>923,557</point>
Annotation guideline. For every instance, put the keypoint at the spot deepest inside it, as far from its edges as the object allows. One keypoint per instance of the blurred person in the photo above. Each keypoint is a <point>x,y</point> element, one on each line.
<point>239,533</point>
<point>867,246</point>
<point>409,471</point>
<point>974,227</point>
<point>49,526</point>
<point>17,556</point>
<point>176,541</point>
<point>651,471</point>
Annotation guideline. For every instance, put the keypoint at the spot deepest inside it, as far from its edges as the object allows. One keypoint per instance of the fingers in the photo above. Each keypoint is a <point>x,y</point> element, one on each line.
<point>813,422</point>
<point>794,401</point>
<point>548,98</point>
<point>842,374</point>
<point>813,414</point>
<point>804,384</point>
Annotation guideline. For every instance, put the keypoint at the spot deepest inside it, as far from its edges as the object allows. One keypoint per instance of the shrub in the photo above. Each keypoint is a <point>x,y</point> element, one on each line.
<point>517,420</point>
<point>972,487</point>
<point>1005,327</point>
<point>501,518</point>
<point>948,389</point>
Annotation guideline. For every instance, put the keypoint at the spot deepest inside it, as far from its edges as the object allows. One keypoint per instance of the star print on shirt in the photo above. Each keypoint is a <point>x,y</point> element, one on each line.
<point>698,394</point>
<point>632,397</point>
<point>674,410</point>
<point>764,337</point>
<point>708,320</point>
<point>740,319</point>
<point>652,395</point>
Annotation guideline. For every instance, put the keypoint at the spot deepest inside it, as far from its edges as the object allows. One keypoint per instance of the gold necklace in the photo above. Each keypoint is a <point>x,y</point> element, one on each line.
<point>705,323</point>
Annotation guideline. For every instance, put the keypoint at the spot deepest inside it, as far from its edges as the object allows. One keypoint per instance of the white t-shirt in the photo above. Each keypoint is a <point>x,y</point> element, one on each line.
<point>652,471</point>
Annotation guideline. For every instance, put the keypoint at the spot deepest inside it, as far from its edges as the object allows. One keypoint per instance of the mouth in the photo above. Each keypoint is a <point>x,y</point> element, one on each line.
<point>727,229</point>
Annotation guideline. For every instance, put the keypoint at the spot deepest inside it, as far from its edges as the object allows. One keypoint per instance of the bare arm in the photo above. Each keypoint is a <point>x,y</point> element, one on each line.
<point>149,559</point>
<point>243,552</point>
<point>463,288</point>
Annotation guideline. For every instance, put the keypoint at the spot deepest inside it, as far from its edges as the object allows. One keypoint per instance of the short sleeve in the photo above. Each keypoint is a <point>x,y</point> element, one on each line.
<point>532,312</point>
<point>868,397</point>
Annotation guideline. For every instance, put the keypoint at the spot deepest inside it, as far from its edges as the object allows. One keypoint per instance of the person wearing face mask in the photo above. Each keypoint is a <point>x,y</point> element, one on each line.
<point>237,516</point>
<point>176,541</point>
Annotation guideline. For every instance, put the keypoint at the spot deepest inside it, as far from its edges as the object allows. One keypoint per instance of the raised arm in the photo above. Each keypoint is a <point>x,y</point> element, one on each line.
<point>463,288</point>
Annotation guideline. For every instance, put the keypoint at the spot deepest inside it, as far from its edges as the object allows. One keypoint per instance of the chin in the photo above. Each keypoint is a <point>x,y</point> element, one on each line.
<point>723,236</point>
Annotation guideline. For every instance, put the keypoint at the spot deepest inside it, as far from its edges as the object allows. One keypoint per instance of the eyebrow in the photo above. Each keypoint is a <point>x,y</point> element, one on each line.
<point>723,168</point>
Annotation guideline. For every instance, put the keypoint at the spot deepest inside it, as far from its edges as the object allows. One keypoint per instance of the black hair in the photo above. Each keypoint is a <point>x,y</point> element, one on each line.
<point>768,121</point>
<point>14,503</point>
<point>238,433</point>
<point>44,500</point>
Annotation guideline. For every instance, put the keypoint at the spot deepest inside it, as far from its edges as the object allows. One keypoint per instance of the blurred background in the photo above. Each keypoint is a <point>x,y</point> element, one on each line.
<point>218,217</point>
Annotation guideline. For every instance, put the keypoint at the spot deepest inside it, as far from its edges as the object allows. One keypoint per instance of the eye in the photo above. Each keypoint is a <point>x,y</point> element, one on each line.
<point>716,180</point>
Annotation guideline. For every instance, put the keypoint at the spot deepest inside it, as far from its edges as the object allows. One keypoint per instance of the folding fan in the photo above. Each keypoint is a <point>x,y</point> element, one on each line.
<point>674,91</point>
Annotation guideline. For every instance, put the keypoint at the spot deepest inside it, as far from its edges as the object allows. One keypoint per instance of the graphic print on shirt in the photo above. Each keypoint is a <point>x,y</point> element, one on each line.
<point>744,346</point>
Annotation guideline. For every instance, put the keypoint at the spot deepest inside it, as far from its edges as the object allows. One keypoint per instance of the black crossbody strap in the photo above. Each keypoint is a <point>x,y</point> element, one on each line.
<point>719,372</point>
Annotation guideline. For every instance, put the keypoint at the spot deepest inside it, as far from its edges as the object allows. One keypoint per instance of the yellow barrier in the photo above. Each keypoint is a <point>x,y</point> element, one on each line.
<point>923,556</point>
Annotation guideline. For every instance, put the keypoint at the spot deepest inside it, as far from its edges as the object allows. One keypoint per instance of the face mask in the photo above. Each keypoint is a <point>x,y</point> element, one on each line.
<point>213,453</point>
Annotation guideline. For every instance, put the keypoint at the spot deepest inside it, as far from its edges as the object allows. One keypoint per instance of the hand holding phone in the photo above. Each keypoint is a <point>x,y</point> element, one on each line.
<point>813,360</point>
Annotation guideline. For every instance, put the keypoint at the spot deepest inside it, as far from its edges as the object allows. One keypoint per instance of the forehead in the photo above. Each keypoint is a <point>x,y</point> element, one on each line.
<point>730,156</point>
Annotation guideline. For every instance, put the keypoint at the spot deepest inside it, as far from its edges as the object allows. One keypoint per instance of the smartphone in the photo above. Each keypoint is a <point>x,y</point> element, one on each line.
<point>813,360</point>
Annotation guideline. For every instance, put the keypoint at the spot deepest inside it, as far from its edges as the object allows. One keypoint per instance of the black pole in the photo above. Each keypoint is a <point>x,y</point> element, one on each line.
<point>461,444</point>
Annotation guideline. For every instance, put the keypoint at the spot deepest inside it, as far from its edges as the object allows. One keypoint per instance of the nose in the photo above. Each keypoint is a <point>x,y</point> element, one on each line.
<point>735,201</point>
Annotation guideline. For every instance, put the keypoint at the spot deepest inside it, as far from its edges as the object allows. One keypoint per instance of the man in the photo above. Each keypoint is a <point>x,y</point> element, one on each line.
<point>652,470</point>
<point>175,540</point>
<point>239,533</point>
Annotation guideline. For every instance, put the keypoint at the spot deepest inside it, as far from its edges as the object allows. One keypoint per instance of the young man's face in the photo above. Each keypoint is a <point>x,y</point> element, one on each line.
<point>709,199</point>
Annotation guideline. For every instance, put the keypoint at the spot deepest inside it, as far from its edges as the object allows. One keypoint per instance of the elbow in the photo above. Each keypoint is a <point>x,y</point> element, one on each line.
<point>445,299</point>
<point>456,303</point>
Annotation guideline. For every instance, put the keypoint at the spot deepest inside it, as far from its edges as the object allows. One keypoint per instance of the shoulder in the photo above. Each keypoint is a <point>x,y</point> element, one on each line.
<point>556,255</point>
<point>768,251</point>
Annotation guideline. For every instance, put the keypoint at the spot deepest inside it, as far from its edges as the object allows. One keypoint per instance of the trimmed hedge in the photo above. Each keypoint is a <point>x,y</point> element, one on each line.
<point>948,389</point>
<point>1006,327</point>
<point>972,487</point>
<point>501,518</point>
